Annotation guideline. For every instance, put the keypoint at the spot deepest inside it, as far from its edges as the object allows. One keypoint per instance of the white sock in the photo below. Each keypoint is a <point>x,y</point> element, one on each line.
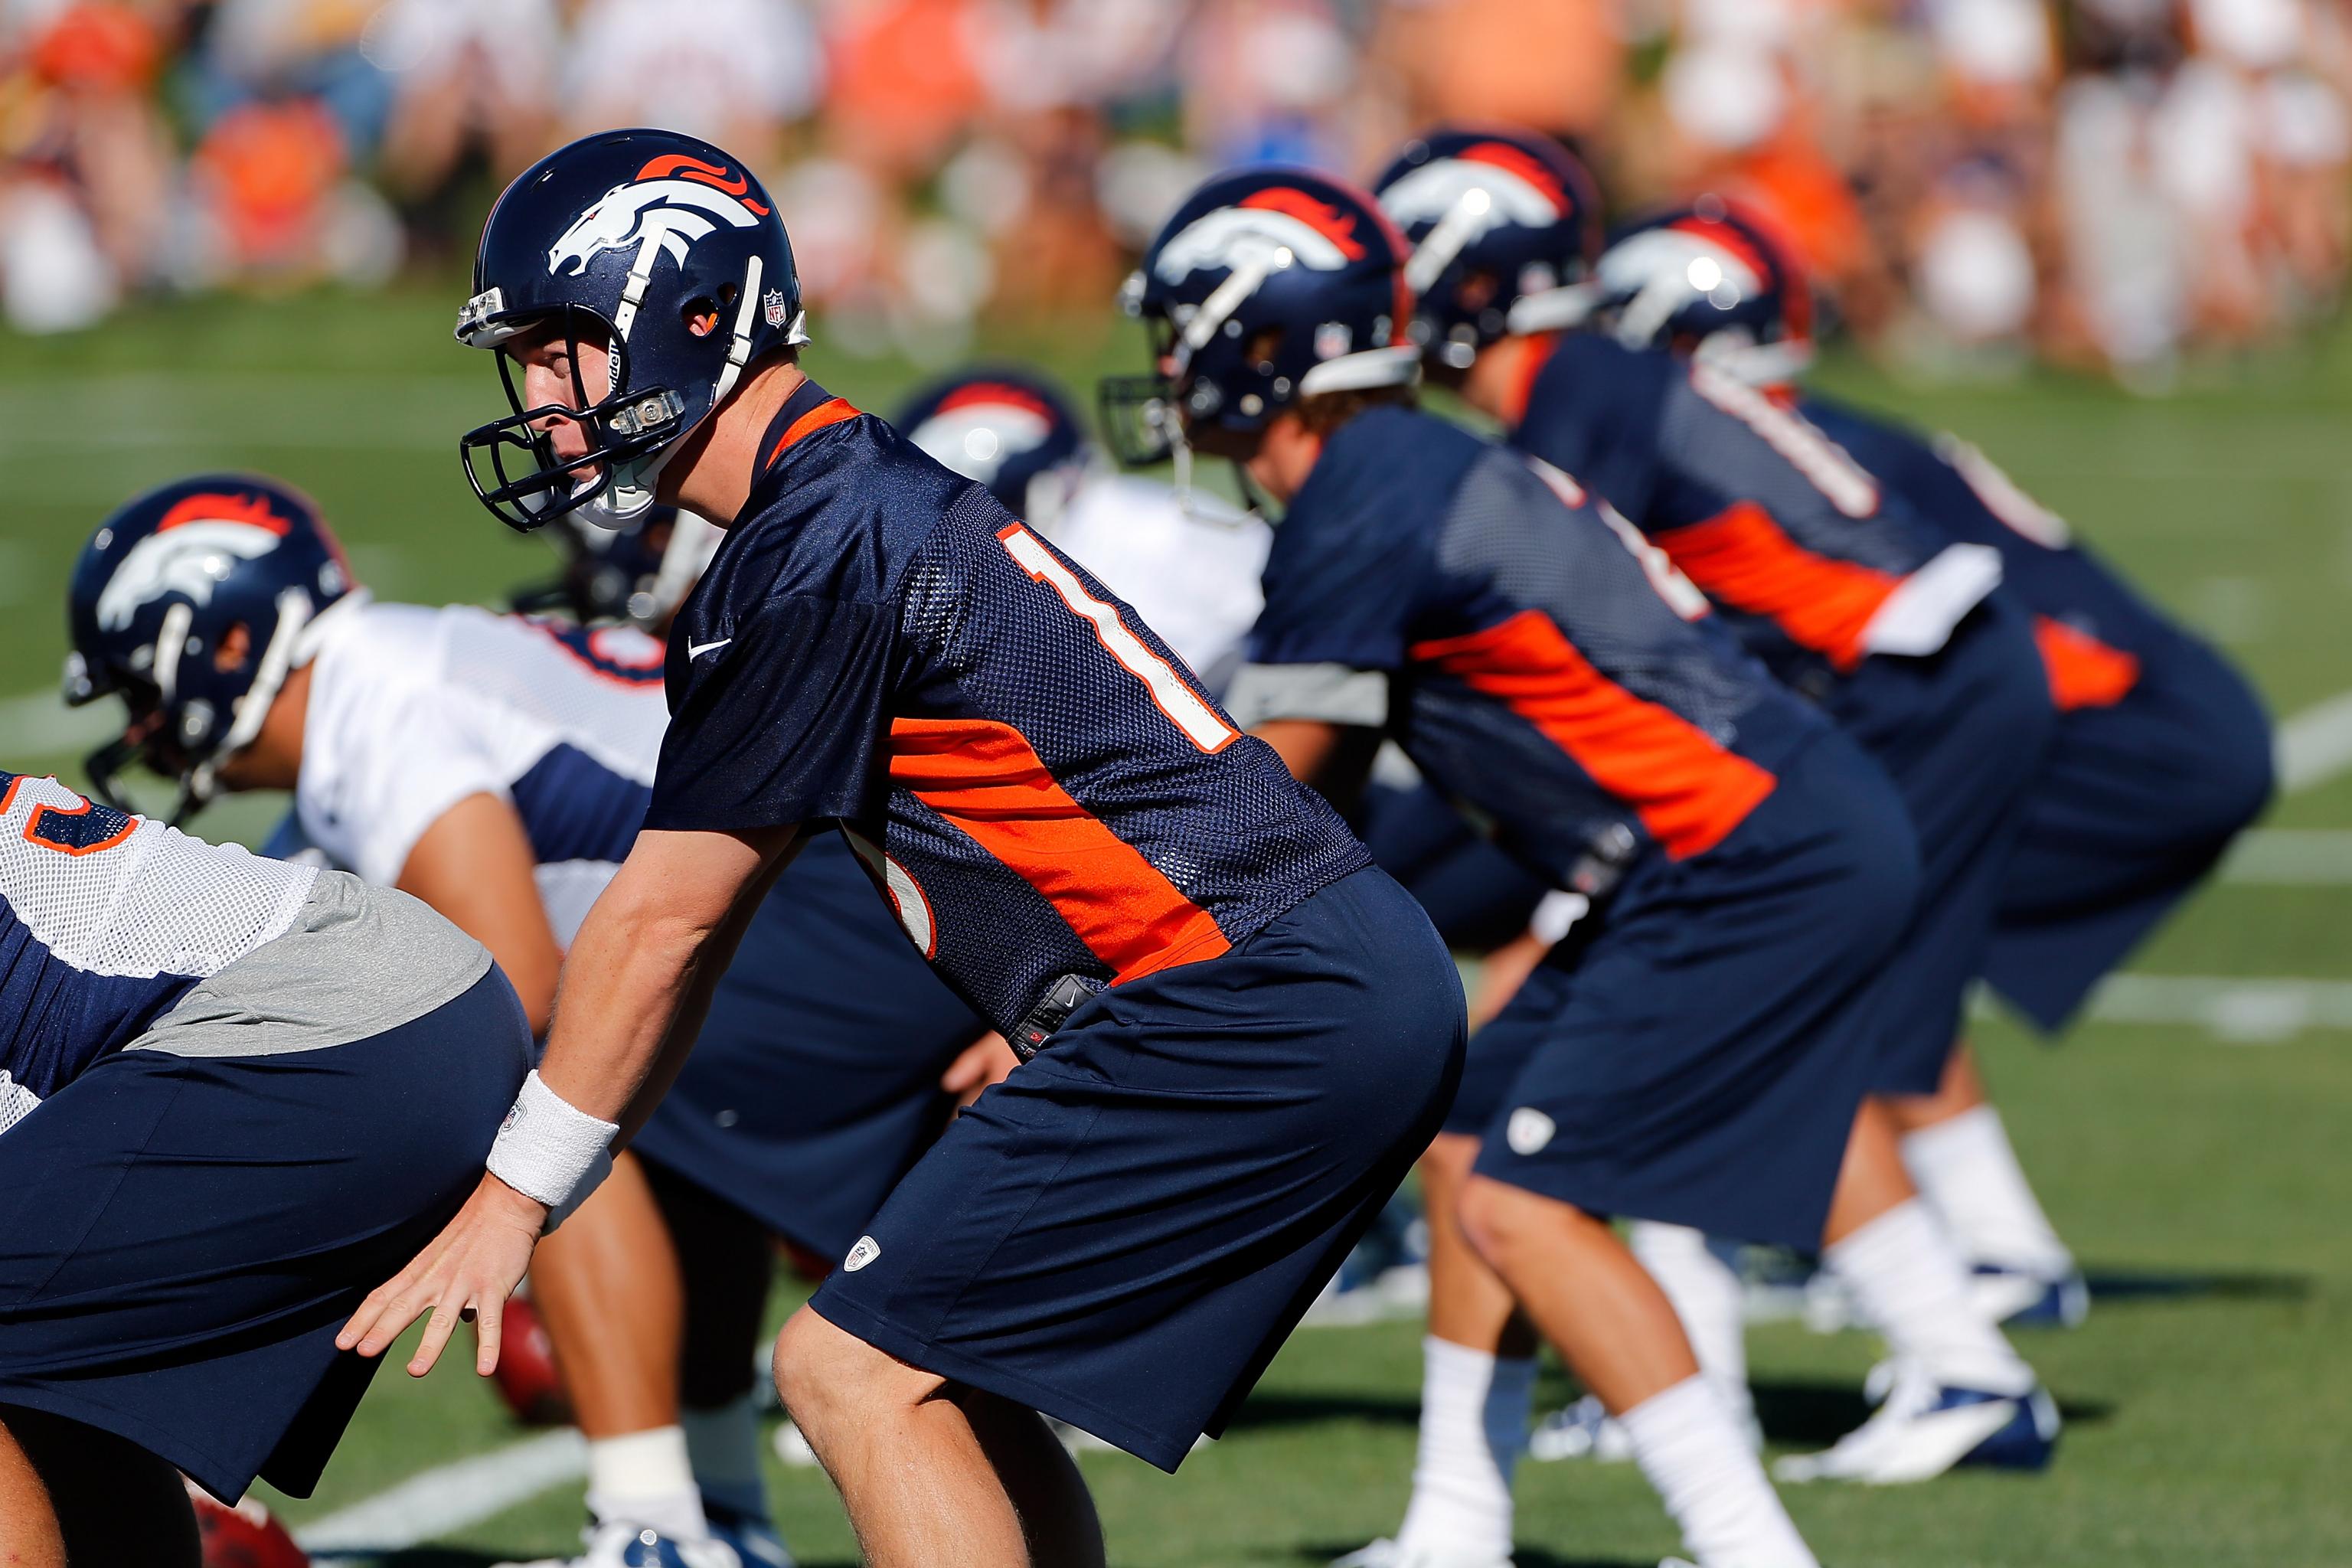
<point>723,1446</point>
<point>1474,1427</point>
<point>644,1478</point>
<point>1713,1483</point>
<point>1966,1168</point>
<point>1908,1278</point>
<point>1708,1299</point>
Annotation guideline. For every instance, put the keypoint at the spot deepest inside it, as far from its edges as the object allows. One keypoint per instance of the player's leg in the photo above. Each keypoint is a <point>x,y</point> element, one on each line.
<point>71,1494</point>
<point>1478,1374</point>
<point>727,1262</point>
<point>931,1472</point>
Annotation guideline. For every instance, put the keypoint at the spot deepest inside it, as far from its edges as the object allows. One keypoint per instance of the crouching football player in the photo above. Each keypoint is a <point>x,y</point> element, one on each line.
<point>232,1092</point>
<point>1239,1032</point>
<point>1700,1047</point>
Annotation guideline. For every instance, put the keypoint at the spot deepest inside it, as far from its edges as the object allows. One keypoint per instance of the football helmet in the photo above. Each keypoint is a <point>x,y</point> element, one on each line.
<point>658,246</point>
<point>1504,227</point>
<point>1712,279</point>
<point>1267,285</point>
<point>193,603</point>
<point>1010,430</point>
<point>639,573</point>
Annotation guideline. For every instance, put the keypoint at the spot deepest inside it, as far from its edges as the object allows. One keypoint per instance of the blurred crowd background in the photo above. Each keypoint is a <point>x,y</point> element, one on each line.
<point>2111,184</point>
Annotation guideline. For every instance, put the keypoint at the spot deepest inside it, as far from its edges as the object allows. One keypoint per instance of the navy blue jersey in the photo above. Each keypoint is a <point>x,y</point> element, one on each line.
<point>107,921</point>
<point>1040,787</point>
<point>1537,661</point>
<point>1810,560</point>
<point>2092,627</point>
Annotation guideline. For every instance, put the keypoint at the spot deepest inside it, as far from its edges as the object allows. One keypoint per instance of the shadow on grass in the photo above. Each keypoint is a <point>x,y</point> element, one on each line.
<point>2132,1287</point>
<point>1264,1410</point>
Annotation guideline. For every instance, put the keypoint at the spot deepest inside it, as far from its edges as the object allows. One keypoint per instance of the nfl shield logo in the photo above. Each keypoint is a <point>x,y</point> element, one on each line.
<point>773,303</point>
<point>1333,338</point>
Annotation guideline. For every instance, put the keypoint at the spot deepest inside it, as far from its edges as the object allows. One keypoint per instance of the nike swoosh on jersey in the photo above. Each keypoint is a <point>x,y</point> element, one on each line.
<point>696,650</point>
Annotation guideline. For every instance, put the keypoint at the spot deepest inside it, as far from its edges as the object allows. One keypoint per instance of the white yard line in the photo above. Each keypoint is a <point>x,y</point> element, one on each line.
<point>2316,744</point>
<point>2234,1011</point>
<point>449,1497</point>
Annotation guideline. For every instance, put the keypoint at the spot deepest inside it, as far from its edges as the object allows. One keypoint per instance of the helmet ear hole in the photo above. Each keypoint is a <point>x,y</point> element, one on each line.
<point>235,650</point>
<point>701,315</point>
<point>1263,346</point>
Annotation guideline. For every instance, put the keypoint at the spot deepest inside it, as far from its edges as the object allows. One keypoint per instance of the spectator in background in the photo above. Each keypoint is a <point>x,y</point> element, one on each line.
<point>737,72</point>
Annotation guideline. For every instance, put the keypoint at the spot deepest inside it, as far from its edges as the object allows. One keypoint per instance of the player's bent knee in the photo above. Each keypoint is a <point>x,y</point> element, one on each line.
<point>825,1375</point>
<point>1506,1223</point>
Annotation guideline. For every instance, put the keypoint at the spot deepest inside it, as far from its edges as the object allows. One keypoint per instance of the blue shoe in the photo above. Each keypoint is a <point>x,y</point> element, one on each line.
<point>2022,1298</point>
<point>755,1542</point>
<point>1926,1428</point>
<point>616,1543</point>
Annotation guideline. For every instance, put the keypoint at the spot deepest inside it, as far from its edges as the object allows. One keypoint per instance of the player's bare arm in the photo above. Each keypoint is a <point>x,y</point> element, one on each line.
<point>637,981</point>
<point>475,864</point>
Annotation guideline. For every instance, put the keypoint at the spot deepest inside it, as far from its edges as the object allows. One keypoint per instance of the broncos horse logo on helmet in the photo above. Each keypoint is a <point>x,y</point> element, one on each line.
<point>193,603</point>
<point>1007,428</point>
<point>660,247</point>
<point>1504,227</point>
<point>1717,280</point>
<point>1266,286</point>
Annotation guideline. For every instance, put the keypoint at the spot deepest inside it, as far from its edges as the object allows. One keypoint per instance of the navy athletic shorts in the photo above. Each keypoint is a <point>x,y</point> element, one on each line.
<point>1962,732</point>
<point>815,1084</point>
<point>180,1238</point>
<point>2132,807</point>
<point>1476,896</point>
<point>1697,1055</point>
<point>1123,1232</point>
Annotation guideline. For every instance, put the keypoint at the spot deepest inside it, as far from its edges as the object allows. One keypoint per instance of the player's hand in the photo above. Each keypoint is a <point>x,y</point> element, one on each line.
<point>467,1271</point>
<point>984,1061</point>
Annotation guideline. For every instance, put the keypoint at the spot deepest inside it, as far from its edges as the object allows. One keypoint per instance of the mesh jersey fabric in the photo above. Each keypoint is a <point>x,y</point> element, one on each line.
<point>1035,781</point>
<point>1188,565</point>
<point>107,920</point>
<point>414,709</point>
<point>1796,544</point>
<point>1537,672</point>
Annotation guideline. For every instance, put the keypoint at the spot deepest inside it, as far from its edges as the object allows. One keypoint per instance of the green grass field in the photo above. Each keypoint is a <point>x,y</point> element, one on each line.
<point>2204,1183</point>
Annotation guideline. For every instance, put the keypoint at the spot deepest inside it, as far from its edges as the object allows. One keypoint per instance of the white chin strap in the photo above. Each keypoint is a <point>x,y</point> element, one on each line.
<point>1560,309</point>
<point>628,494</point>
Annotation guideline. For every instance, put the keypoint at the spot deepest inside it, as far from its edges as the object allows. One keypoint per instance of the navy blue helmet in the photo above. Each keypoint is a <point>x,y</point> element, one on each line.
<point>1711,280</point>
<point>1010,429</point>
<point>1503,226</point>
<point>193,604</point>
<point>637,572</point>
<point>1267,285</point>
<point>662,247</point>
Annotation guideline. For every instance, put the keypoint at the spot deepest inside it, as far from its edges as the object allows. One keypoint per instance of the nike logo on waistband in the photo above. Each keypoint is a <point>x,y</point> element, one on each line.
<point>697,650</point>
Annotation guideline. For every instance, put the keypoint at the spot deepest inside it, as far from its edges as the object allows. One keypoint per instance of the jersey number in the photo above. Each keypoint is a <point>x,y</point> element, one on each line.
<point>1201,722</point>
<point>1825,465</point>
<point>77,830</point>
<point>1682,596</point>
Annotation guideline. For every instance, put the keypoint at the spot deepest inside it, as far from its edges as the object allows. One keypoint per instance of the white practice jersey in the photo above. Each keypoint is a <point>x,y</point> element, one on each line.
<point>1190,570</point>
<point>107,920</point>
<point>413,710</point>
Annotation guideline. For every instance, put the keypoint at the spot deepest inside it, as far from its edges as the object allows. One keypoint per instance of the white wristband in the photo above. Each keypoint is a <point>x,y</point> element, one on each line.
<point>550,1149</point>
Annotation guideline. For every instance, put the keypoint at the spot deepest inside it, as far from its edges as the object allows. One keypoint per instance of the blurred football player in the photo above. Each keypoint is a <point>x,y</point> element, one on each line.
<point>231,1089</point>
<point>498,767</point>
<point>1238,1032</point>
<point>1700,1048</point>
<point>1847,598</point>
<point>2162,756</point>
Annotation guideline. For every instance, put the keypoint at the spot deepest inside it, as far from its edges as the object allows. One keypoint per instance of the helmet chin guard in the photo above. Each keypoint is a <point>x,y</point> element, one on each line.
<point>663,250</point>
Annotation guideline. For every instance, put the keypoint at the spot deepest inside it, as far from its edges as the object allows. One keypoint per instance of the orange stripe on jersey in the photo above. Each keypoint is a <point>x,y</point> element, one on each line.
<point>2083,672</point>
<point>832,411</point>
<point>985,778</point>
<point>1690,792</point>
<point>1743,560</point>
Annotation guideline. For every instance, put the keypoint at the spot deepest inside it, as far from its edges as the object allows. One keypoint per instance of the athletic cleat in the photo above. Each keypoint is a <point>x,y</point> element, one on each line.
<point>616,1543</point>
<point>1583,1431</point>
<point>1925,1429</point>
<point>1387,1553</point>
<point>755,1540</point>
<point>2021,1297</point>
